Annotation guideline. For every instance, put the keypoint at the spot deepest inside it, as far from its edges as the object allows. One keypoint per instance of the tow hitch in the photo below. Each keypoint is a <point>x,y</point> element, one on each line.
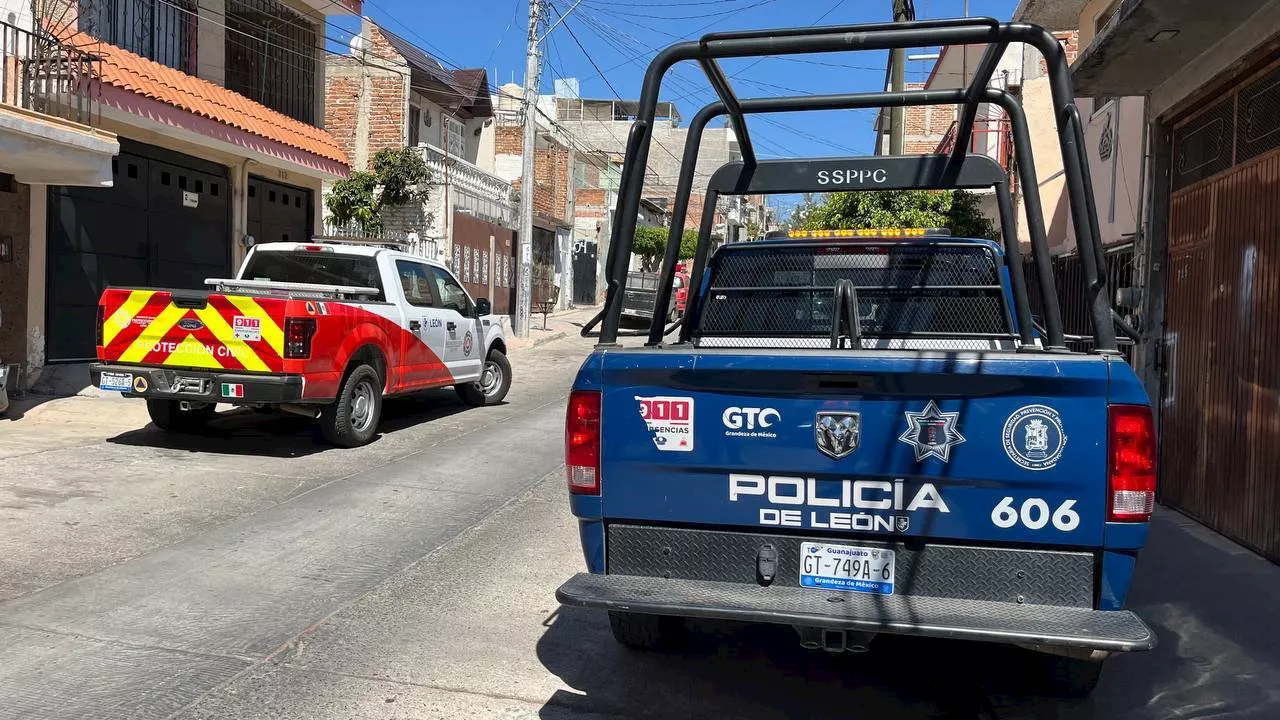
<point>834,641</point>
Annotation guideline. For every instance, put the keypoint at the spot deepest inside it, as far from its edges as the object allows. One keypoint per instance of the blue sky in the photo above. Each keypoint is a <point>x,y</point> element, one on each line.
<point>621,37</point>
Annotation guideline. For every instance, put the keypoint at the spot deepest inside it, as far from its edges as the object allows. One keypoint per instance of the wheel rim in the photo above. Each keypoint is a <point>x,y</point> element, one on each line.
<point>490,379</point>
<point>362,407</point>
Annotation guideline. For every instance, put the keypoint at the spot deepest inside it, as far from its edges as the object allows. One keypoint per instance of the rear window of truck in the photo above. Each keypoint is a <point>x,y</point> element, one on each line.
<point>319,268</point>
<point>934,291</point>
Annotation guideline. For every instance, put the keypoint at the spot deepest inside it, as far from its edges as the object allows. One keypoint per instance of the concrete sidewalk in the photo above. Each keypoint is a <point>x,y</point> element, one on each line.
<point>558,324</point>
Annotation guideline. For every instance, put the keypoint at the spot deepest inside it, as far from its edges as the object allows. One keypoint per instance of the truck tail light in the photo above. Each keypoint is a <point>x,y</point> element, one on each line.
<point>1131,465</point>
<point>97,332</point>
<point>582,442</point>
<point>297,337</point>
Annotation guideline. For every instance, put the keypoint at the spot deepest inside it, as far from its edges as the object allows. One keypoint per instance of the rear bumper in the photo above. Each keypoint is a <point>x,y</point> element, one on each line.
<point>202,385</point>
<point>1113,631</point>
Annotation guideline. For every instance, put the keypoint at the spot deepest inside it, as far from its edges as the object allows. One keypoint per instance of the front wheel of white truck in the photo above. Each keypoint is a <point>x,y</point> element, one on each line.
<point>647,632</point>
<point>494,382</point>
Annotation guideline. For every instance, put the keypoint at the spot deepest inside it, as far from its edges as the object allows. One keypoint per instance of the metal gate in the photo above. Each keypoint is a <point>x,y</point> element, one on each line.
<point>278,212</point>
<point>484,260</point>
<point>1220,420</point>
<point>165,222</point>
<point>584,272</point>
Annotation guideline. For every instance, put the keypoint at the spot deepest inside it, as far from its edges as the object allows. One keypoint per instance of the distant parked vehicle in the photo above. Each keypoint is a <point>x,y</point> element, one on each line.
<point>318,329</point>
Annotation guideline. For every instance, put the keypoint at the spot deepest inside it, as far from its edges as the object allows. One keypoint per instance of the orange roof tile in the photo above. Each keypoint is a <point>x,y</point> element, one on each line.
<point>151,79</point>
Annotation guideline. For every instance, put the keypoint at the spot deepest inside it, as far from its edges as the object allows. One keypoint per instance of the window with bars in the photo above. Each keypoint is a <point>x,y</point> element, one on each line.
<point>415,125</point>
<point>451,136</point>
<point>271,57</point>
<point>161,30</point>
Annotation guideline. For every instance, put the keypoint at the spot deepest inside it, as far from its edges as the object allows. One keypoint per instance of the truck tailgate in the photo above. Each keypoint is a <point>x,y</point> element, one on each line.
<point>192,329</point>
<point>979,447</point>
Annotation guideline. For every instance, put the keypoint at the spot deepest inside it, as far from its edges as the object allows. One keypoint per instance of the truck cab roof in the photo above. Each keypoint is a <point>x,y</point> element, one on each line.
<point>342,248</point>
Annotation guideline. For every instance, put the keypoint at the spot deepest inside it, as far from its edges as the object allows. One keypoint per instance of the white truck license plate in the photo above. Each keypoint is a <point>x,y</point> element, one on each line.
<point>845,567</point>
<point>116,381</point>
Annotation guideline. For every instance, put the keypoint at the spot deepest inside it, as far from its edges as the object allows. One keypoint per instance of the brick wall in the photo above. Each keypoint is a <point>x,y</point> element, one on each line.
<point>550,172</point>
<point>509,140</point>
<point>342,102</point>
<point>1070,40</point>
<point>367,103</point>
<point>15,228</point>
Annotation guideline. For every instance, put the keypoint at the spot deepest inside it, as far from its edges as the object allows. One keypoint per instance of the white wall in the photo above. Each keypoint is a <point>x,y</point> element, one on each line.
<point>16,13</point>
<point>431,135</point>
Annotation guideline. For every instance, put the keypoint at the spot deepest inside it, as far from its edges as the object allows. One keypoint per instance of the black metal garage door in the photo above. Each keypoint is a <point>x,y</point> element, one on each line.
<point>165,223</point>
<point>278,213</point>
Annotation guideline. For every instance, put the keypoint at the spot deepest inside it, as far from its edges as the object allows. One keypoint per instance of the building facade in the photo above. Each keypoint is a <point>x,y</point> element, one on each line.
<point>1208,247</point>
<point>387,94</point>
<point>203,134</point>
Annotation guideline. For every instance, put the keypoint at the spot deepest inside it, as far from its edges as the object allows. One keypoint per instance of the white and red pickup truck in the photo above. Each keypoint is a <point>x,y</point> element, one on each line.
<point>321,329</point>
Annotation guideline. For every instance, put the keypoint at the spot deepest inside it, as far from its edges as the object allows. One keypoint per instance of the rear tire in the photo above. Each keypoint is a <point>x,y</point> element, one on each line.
<point>352,420</point>
<point>647,632</point>
<point>494,382</point>
<point>1069,678</point>
<point>169,416</point>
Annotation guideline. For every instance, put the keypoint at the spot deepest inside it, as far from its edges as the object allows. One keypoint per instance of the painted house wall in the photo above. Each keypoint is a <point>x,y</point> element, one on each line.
<point>434,133</point>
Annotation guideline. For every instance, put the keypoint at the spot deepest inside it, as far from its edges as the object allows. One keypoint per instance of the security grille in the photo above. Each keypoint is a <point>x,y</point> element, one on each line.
<point>1202,147</point>
<point>903,291</point>
<point>1258,119</point>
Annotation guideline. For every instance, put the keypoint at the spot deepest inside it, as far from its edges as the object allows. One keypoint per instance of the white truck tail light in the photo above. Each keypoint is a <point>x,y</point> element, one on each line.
<point>1131,464</point>
<point>582,442</point>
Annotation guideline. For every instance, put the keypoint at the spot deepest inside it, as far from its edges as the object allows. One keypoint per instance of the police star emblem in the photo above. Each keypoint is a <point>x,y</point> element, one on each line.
<point>932,432</point>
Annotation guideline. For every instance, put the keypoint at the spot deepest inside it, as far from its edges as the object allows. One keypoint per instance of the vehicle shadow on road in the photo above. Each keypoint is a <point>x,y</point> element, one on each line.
<point>1213,607</point>
<point>244,431</point>
<point>760,671</point>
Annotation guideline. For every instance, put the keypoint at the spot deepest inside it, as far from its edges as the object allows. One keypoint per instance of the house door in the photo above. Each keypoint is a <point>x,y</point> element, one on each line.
<point>165,222</point>
<point>278,212</point>
<point>1220,397</point>
<point>584,272</point>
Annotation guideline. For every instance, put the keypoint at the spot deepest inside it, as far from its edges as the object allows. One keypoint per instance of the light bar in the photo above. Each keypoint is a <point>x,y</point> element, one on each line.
<point>869,232</point>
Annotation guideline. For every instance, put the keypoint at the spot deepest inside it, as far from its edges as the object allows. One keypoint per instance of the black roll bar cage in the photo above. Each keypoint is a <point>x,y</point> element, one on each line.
<point>747,176</point>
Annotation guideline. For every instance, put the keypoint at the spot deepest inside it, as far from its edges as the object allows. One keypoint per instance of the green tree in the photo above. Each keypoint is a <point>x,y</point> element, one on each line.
<point>956,210</point>
<point>399,177</point>
<point>650,243</point>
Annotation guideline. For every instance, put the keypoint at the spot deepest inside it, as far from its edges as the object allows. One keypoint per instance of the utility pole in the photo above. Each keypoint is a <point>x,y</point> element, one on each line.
<point>898,60</point>
<point>530,102</point>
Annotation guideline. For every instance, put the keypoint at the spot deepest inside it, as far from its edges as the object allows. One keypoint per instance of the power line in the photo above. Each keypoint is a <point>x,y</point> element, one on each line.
<point>756,4</point>
<point>676,78</point>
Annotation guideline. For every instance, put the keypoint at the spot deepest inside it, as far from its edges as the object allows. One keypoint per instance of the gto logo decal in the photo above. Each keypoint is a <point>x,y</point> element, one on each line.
<point>749,421</point>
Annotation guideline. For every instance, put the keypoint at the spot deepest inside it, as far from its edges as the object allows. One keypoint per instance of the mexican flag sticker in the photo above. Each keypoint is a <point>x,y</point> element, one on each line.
<point>232,390</point>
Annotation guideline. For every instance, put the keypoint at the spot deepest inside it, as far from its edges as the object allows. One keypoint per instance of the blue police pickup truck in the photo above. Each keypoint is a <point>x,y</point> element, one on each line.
<point>858,433</point>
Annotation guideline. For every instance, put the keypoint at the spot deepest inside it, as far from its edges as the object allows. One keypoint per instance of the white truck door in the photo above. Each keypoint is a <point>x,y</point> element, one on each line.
<point>464,345</point>
<point>424,354</point>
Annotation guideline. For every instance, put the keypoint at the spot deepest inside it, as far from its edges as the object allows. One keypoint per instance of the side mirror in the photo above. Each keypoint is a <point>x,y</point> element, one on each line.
<point>483,307</point>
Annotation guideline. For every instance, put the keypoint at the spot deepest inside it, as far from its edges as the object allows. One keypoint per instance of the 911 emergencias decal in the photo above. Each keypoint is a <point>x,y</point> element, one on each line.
<point>669,420</point>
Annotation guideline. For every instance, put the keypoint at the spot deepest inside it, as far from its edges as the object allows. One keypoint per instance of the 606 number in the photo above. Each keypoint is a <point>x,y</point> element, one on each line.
<point>1034,515</point>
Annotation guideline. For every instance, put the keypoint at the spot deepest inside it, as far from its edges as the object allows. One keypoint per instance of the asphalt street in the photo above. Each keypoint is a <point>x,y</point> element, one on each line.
<point>256,573</point>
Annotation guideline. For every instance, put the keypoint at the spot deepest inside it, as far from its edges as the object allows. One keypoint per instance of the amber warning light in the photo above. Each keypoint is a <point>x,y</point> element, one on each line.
<point>868,232</point>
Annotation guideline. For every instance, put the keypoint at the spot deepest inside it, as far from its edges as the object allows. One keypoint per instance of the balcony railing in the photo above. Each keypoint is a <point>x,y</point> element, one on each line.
<point>486,196</point>
<point>165,31</point>
<point>991,137</point>
<point>40,73</point>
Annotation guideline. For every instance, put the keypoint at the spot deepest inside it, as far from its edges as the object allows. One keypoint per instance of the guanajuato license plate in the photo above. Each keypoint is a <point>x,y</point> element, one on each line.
<point>845,567</point>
